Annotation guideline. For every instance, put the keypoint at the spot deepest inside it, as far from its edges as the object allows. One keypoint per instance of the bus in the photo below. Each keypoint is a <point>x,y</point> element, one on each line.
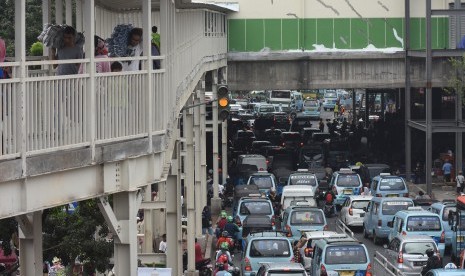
<point>276,97</point>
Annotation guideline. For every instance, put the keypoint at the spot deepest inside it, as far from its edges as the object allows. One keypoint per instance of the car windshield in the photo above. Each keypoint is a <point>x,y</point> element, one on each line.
<point>267,109</point>
<point>348,180</point>
<point>307,217</point>
<point>388,184</point>
<point>423,223</point>
<point>330,95</point>
<point>392,207</point>
<point>418,247</point>
<point>347,254</point>
<point>255,208</point>
<point>360,204</point>
<point>270,248</point>
<point>311,104</point>
<point>263,182</point>
<point>302,179</point>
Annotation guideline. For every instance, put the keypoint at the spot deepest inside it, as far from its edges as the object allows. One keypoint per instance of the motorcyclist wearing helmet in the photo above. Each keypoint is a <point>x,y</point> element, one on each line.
<point>225,237</point>
<point>220,270</point>
<point>231,227</point>
<point>223,256</point>
<point>221,223</point>
<point>433,262</point>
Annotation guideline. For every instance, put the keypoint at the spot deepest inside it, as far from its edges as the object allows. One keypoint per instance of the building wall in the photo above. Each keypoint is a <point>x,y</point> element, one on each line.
<point>342,24</point>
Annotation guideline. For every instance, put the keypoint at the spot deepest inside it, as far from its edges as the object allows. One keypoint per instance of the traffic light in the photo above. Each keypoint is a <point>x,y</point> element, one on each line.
<point>223,102</point>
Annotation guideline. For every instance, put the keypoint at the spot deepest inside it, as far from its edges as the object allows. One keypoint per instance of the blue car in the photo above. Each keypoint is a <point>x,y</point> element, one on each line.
<point>346,183</point>
<point>443,210</point>
<point>446,272</point>
<point>387,185</point>
<point>252,206</point>
<point>380,211</point>
<point>296,219</point>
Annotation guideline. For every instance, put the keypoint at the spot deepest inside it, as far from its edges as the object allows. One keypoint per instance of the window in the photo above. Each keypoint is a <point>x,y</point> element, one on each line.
<point>376,208</point>
<point>360,204</point>
<point>388,184</point>
<point>447,210</point>
<point>270,248</point>
<point>263,182</point>
<point>418,247</point>
<point>423,223</point>
<point>255,208</point>
<point>394,245</point>
<point>307,217</point>
<point>392,207</point>
<point>348,180</point>
<point>347,254</point>
<point>302,179</point>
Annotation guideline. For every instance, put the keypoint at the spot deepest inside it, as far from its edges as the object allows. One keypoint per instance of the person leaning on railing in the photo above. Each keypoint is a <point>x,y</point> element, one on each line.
<point>4,72</point>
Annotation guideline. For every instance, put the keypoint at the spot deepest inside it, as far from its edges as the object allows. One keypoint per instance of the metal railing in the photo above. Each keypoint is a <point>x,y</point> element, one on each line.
<point>342,228</point>
<point>382,267</point>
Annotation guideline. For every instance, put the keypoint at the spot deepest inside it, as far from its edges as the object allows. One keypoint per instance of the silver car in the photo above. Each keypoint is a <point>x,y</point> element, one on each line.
<point>407,253</point>
<point>307,248</point>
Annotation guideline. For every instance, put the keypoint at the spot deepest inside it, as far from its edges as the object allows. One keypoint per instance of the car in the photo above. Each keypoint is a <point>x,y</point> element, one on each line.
<point>303,177</point>
<point>307,133</point>
<point>311,108</point>
<point>264,180</point>
<point>256,223</point>
<point>346,183</point>
<point>281,120</point>
<point>340,255</point>
<point>368,171</point>
<point>253,205</point>
<point>443,210</point>
<point>241,191</point>
<point>380,211</point>
<point>416,221</point>
<point>300,122</point>
<point>408,253</point>
<point>243,139</point>
<point>291,140</point>
<point>310,157</point>
<point>253,159</point>
<point>297,193</point>
<point>387,185</point>
<point>353,210</point>
<point>307,248</point>
<point>302,217</point>
<point>261,249</point>
<point>273,135</point>
<point>264,110</point>
<point>258,145</point>
<point>446,272</point>
<point>270,269</point>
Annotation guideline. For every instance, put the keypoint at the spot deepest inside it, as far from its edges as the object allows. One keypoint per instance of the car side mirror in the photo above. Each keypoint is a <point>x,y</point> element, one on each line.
<point>389,224</point>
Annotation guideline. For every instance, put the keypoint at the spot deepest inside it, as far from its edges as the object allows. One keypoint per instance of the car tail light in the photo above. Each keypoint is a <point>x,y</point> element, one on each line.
<point>378,195</point>
<point>368,273</point>
<point>292,260</point>
<point>301,144</point>
<point>261,169</point>
<point>267,162</point>
<point>351,211</point>
<point>273,219</point>
<point>284,144</point>
<point>248,267</point>
<point>323,270</point>
<point>406,195</point>
<point>238,221</point>
<point>326,228</point>
<point>288,230</point>
<point>307,251</point>
<point>400,258</point>
<point>404,233</point>
<point>443,237</point>
<point>380,222</point>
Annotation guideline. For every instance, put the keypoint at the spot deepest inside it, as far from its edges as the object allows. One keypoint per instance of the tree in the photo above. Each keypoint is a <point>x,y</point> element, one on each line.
<point>457,79</point>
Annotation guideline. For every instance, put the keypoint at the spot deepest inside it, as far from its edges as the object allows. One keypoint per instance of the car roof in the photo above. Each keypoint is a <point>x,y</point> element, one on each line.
<point>300,208</point>
<point>249,198</point>
<point>413,238</point>
<point>262,174</point>
<point>405,213</point>
<point>360,197</point>
<point>338,240</point>
<point>297,188</point>
<point>251,156</point>
<point>291,266</point>
<point>448,272</point>
<point>382,199</point>
<point>441,205</point>
<point>319,234</point>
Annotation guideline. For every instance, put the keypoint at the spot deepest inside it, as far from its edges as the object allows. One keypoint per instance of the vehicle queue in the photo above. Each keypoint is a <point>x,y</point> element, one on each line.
<point>283,194</point>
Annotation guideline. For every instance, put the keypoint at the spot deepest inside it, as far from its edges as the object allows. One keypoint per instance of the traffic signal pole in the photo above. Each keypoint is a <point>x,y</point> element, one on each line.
<point>216,200</point>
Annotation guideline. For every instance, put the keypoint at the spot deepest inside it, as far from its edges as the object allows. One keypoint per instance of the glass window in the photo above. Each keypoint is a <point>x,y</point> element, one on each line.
<point>281,94</point>
<point>418,247</point>
<point>360,204</point>
<point>307,217</point>
<point>302,179</point>
<point>263,182</point>
<point>270,248</point>
<point>387,184</point>
<point>392,207</point>
<point>267,109</point>
<point>347,254</point>
<point>423,223</point>
<point>255,208</point>
<point>348,180</point>
<point>447,210</point>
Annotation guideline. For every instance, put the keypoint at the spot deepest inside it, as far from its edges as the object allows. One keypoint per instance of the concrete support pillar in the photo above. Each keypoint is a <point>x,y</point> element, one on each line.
<point>203,150</point>
<point>188,124</point>
<point>79,15</point>
<point>429,101</point>
<point>46,7</point>
<point>224,150</point>
<point>197,169</point>
<point>159,215</point>
<point>30,243</point>
<point>59,12</point>
<point>354,107</point>
<point>173,221</point>
<point>148,223</point>
<point>69,12</point>
<point>408,130</point>
<point>216,201</point>
<point>125,210</point>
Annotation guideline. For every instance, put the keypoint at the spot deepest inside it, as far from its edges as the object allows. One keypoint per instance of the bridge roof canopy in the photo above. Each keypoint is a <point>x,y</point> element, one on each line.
<point>125,5</point>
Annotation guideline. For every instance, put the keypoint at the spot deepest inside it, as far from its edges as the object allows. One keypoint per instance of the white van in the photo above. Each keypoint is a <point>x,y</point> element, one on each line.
<point>253,159</point>
<point>298,193</point>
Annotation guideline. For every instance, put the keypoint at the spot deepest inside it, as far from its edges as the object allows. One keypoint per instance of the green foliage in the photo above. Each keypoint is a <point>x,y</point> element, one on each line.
<point>457,77</point>
<point>37,49</point>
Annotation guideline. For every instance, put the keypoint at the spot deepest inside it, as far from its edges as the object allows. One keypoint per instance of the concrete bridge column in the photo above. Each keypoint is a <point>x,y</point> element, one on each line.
<point>203,150</point>
<point>216,201</point>
<point>30,243</point>
<point>197,169</point>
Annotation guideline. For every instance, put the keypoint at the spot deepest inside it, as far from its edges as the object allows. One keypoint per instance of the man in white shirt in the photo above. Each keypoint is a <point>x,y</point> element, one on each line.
<point>162,248</point>
<point>460,181</point>
<point>134,50</point>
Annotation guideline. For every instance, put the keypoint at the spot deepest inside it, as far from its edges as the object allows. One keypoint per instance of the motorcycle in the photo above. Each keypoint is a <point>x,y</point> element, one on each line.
<point>328,209</point>
<point>204,267</point>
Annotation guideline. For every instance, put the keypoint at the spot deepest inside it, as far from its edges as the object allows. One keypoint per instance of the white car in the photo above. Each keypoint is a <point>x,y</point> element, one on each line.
<point>306,250</point>
<point>353,210</point>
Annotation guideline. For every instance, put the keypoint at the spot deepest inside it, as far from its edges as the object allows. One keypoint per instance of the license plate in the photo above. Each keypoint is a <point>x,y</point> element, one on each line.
<point>419,263</point>
<point>362,215</point>
<point>346,273</point>
<point>347,192</point>
<point>392,196</point>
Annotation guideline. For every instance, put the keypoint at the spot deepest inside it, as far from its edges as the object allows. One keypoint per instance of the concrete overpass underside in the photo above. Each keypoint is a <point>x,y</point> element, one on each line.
<point>313,70</point>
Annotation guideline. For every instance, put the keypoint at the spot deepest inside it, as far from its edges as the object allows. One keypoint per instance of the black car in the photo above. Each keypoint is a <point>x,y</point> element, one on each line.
<point>243,139</point>
<point>258,145</point>
<point>256,223</point>
<point>273,136</point>
<point>307,134</point>
<point>299,123</point>
<point>291,140</point>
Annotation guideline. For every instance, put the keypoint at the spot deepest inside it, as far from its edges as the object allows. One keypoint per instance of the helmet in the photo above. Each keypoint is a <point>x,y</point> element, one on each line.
<point>223,214</point>
<point>225,234</point>
<point>220,266</point>
<point>224,246</point>
<point>429,252</point>
<point>230,219</point>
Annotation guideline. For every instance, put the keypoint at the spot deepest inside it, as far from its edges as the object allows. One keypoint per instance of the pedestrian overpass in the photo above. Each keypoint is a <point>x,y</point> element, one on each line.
<point>71,138</point>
